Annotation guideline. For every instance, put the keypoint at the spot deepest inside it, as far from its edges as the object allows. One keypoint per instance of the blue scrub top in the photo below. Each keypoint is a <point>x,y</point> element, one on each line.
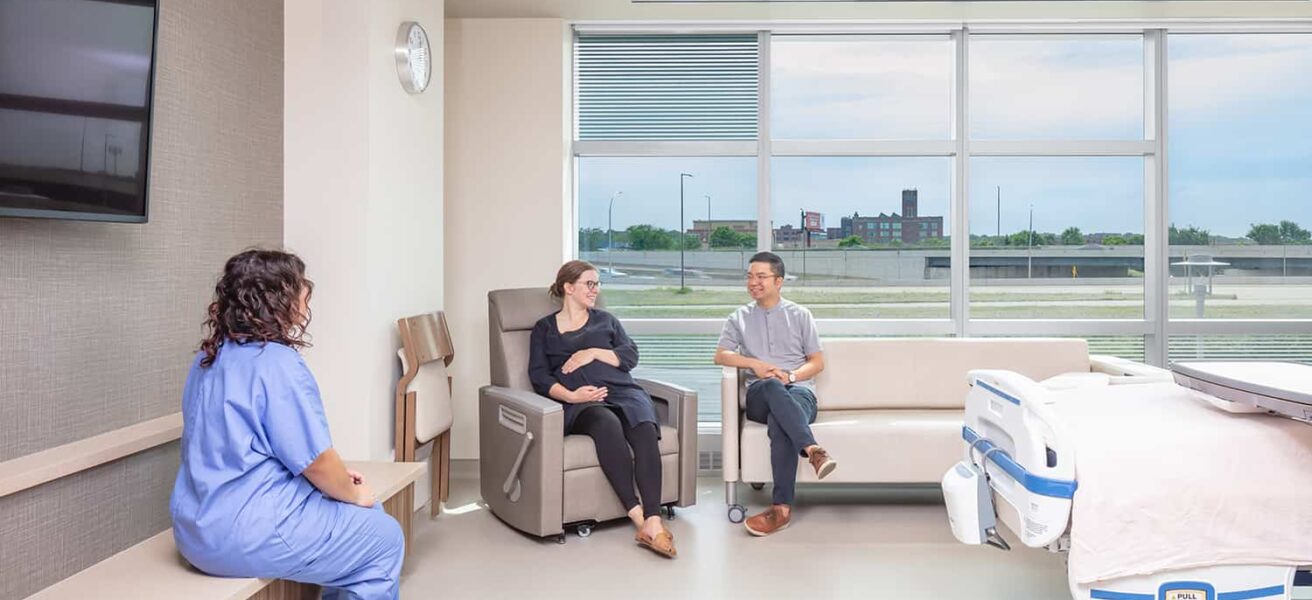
<point>252,422</point>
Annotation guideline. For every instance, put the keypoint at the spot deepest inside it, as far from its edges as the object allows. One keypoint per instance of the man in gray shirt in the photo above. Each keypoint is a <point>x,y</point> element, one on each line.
<point>776,339</point>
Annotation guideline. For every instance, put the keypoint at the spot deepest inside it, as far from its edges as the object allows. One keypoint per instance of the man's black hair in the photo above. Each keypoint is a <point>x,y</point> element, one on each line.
<point>772,259</point>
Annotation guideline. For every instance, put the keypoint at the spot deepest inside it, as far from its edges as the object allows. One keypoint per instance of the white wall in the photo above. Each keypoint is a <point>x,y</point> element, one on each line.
<point>622,10</point>
<point>363,200</point>
<point>507,155</point>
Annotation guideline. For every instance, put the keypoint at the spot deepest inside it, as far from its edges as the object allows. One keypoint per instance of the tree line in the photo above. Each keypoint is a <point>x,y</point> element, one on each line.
<point>648,237</point>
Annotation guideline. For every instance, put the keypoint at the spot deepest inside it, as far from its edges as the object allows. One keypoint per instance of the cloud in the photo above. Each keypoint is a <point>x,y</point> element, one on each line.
<point>874,89</point>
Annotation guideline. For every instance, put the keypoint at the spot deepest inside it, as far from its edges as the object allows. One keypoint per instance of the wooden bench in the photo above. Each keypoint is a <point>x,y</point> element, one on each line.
<point>154,569</point>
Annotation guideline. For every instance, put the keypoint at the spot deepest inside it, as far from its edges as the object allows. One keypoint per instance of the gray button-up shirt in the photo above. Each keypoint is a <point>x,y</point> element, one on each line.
<point>782,336</point>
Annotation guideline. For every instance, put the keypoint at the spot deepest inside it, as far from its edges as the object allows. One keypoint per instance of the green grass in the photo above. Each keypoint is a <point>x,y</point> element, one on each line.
<point>984,311</point>
<point>658,297</point>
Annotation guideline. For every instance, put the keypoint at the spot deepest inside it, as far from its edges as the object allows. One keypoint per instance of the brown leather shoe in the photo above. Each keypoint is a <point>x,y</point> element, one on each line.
<point>823,464</point>
<point>662,544</point>
<point>768,522</point>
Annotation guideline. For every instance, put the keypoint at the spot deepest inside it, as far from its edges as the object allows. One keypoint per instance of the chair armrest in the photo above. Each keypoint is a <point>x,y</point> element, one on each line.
<point>522,447</point>
<point>1128,371</point>
<point>680,405</point>
<point>677,401</point>
<point>729,422</point>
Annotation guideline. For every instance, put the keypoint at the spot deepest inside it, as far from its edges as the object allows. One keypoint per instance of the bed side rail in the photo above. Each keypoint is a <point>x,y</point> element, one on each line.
<point>1027,453</point>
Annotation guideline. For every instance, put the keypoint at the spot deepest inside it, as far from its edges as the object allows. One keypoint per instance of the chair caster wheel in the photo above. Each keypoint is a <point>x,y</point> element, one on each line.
<point>669,512</point>
<point>758,486</point>
<point>584,530</point>
<point>560,539</point>
<point>737,513</point>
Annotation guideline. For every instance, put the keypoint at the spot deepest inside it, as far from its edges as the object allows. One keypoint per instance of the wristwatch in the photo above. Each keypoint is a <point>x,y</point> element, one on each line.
<point>792,378</point>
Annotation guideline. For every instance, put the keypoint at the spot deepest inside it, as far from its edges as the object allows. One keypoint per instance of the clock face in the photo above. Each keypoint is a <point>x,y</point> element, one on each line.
<point>413,57</point>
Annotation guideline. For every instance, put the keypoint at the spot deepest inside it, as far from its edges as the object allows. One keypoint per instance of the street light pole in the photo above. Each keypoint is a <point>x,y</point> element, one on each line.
<point>610,235</point>
<point>682,245</point>
<point>1029,248</point>
<point>709,228</point>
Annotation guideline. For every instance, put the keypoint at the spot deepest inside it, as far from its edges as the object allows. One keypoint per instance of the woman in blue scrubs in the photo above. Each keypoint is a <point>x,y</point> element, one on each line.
<point>261,492</point>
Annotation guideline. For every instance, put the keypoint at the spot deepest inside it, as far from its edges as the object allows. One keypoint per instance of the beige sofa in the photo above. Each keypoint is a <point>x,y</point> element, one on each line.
<point>891,410</point>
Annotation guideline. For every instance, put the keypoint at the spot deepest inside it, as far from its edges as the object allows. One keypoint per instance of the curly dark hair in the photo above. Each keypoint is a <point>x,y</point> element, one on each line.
<point>258,299</point>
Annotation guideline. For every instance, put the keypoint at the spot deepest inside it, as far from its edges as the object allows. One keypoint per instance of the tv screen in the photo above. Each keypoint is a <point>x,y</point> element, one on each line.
<point>75,107</point>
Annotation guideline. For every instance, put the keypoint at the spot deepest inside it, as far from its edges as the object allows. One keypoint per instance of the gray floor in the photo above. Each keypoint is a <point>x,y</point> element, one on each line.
<point>843,543</point>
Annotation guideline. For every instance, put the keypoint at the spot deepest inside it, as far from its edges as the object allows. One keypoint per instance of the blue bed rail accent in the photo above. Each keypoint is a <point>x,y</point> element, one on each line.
<point>1043,486</point>
<point>999,393</point>
<point>1266,592</point>
<point>1106,595</point>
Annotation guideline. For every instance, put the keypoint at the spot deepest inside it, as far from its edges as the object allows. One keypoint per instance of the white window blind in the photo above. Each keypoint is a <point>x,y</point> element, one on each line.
<point>667,87</point>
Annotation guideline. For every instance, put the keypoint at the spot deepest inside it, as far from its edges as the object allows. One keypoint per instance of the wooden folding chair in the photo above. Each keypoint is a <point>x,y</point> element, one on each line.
<point>423,398</point>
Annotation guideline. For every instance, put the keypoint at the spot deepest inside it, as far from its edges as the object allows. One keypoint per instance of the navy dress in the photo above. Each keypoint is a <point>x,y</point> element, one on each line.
<point>549,349</point>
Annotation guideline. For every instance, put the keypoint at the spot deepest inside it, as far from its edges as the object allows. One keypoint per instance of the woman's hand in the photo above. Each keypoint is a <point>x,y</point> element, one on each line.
<point>587,393</point>
<point>364,495</point>
<point>578,360</point>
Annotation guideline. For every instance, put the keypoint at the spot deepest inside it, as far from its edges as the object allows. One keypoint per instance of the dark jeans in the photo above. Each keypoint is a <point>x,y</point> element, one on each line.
<point>787,412</point>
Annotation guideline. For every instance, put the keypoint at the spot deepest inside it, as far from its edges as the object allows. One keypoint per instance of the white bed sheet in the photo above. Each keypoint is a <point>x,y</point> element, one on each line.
<point>1168,482</point>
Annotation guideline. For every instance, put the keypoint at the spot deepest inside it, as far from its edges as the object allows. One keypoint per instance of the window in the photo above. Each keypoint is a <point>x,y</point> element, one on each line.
<point>1057,225</point>
<point>1230,347</point>
<point>1083,256</point>
<point>666,87</point>
<point>628,214</point>
<point>1054,187</point>
<point>1241,186</point>
<point>853,274</point>
<point>861,87</point>
<point>1077,87</point>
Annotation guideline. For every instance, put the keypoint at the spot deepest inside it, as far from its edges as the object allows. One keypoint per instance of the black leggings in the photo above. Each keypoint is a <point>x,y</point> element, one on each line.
<point>613,441</point>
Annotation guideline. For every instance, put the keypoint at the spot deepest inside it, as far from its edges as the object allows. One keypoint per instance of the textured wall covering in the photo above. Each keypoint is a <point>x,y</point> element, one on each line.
<point>50,532</point>
<point>98,321</point>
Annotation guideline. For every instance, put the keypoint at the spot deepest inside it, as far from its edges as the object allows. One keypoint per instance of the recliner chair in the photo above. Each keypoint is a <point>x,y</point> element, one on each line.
<point>533,476</point>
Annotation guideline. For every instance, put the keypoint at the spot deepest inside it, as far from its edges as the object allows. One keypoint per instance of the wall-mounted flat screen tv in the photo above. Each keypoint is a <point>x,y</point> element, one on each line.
<point>75,108</point>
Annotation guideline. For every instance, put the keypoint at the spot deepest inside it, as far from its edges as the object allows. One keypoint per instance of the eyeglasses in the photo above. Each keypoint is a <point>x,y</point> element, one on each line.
<point>591,285</point>
<point>760,277</point>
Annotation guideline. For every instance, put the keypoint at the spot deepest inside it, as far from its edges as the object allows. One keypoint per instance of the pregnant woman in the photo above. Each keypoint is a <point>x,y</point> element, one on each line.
<point>581,357</point>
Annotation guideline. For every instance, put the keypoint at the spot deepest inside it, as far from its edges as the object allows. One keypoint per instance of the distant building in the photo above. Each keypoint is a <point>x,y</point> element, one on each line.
<point>908,227</point>
<point>703,229</point>
<point>787,235</point>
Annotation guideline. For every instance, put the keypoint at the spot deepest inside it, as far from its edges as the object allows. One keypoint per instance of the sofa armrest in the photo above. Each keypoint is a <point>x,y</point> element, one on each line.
<point>680,404</point>
<point>1128,371</point>
<point>729,423</point>
<point>521,458</point>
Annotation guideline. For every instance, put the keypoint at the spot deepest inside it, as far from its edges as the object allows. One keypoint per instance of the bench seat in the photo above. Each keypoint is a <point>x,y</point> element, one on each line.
<point>153,569</point>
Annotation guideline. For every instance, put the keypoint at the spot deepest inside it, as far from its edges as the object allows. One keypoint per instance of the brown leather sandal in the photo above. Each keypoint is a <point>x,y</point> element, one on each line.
<point>662,544</point>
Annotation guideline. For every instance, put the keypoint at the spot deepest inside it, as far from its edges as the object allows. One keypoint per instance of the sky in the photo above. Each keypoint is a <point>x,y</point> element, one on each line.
<point>1240,135</point>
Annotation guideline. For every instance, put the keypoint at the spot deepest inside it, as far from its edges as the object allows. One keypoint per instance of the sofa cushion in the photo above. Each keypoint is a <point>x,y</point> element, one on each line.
<point>581,453</point>
<point>871,446</point>
<point>931,372</point>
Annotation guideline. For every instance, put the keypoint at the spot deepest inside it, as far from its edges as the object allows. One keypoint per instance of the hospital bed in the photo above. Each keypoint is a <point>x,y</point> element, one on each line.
<point>1072,470</point>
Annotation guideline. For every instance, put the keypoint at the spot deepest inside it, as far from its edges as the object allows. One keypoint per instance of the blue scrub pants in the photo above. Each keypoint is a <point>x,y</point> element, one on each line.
<point>361,559</point>
<point>787,412</point>
<point>358,557</point>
